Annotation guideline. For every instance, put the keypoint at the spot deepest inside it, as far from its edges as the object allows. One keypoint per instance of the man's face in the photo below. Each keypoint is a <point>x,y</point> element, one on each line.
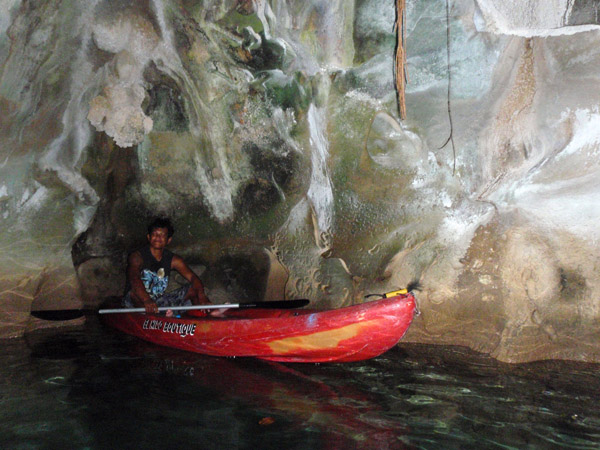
<point>159,238</point>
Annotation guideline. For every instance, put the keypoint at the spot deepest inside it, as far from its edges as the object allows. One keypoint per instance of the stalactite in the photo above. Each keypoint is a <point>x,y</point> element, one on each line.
<point>400,59</point>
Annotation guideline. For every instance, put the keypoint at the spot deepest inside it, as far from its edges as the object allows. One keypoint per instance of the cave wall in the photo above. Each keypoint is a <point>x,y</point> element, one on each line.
<point>269,132</point>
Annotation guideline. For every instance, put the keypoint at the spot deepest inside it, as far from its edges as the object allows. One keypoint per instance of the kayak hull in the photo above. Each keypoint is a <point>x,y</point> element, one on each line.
<point>348,334</point>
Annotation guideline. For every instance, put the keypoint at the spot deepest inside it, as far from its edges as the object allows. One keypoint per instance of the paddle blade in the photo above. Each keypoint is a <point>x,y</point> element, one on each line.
<point>58,314</point>
<point>277,304</point>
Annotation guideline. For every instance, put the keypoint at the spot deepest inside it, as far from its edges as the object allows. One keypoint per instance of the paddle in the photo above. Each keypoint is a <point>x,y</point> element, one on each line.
<point>70,314</point>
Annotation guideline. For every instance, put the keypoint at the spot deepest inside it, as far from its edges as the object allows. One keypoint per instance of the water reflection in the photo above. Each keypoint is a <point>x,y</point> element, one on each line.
<point>254,398</point>
<point>91,387</point>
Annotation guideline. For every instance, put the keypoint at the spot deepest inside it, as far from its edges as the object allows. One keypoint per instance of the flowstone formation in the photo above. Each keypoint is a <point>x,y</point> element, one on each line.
<point>269,132</point>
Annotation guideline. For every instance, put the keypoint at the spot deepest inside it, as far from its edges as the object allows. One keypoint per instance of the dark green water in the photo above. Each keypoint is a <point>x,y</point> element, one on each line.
<point>92,388</point>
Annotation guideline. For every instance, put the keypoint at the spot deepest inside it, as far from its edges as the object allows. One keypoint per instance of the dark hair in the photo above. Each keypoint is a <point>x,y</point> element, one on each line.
<point>161,222</point>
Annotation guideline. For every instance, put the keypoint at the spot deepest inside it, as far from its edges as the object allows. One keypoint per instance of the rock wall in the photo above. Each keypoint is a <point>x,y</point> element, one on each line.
<point>269,132</point>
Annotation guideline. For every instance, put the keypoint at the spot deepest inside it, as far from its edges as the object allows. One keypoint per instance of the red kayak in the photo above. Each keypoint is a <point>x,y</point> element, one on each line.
<point>353,333</point>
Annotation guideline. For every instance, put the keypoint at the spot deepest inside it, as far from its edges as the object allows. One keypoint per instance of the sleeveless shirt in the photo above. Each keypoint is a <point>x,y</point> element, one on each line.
<point>155,274</point>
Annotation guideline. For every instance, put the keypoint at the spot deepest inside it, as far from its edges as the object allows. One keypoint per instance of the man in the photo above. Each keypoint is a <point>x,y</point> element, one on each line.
<point>149,269</point>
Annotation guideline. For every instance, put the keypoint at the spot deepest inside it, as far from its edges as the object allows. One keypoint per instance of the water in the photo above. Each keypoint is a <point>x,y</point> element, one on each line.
<point>94,388</point>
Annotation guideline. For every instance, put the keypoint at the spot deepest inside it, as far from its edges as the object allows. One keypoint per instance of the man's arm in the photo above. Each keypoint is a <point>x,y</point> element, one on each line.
<point>196,293</point>
<point>139,296</point>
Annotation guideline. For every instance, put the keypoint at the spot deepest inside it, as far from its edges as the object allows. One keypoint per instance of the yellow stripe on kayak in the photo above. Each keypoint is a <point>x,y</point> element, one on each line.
<point>319,340</point>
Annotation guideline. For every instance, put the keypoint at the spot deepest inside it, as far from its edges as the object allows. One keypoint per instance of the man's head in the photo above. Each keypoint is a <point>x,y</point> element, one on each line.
<point>161,222</point>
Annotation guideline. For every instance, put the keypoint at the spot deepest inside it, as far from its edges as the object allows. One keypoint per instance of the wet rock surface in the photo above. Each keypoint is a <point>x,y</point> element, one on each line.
<point>269,133</point>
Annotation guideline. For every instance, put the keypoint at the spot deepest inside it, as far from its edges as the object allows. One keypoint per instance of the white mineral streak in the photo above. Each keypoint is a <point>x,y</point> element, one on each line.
<point>528,18</point>
<point>6,6</point>
<point>216,189</point>
<point>288,25</point>
<point>296,219</point>
<point>31,202</point>
<point>216,182</point>
<point>320,191</point>
<point>562,193</point>
<point>265,14</point>
<point>64,154</point>
<point>333,20</point>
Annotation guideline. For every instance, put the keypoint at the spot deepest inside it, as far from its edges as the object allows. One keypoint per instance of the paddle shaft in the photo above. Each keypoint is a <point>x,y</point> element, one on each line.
<point>270,305</point>
<point>70,314</point>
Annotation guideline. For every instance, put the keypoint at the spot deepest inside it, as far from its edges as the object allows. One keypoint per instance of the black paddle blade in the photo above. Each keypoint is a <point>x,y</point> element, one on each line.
<point>277,304</point>
<point>58,314</point>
